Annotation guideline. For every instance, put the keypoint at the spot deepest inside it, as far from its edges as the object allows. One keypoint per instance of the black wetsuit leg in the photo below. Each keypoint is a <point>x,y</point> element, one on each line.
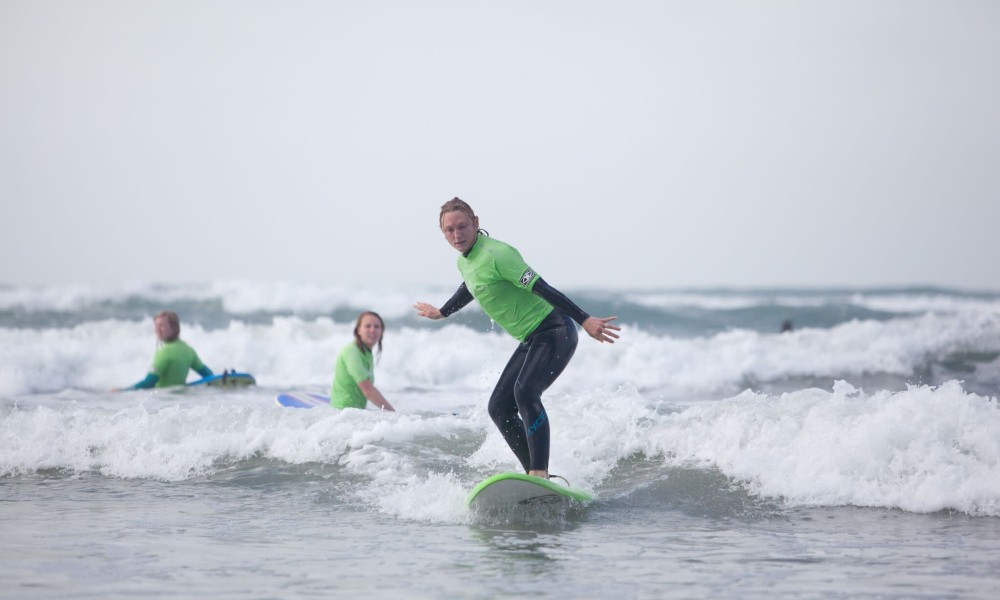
<point>533,367</point>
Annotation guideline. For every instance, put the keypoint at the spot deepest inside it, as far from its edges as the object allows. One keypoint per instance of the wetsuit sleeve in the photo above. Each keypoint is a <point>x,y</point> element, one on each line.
<point>458,301</point>
<point>147,383</point>
<point>559,300</point>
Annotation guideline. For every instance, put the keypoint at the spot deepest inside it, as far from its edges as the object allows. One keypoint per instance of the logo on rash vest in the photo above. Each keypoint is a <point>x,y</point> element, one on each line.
<point>526,278</point>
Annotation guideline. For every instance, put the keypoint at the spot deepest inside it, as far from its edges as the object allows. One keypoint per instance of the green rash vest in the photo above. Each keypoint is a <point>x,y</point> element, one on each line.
<point>172,362</point>
<point>501,282</point>
<point>354,365</point>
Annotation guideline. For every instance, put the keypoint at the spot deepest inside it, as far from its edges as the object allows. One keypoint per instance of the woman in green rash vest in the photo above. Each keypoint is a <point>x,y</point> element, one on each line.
<point>354,374</point>
<point>536,314</point>
<point>173,358</point>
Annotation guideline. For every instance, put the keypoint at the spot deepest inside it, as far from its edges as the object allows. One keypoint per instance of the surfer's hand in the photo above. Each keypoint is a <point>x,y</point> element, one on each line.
<point>601,329</point>
<point>428,310</point>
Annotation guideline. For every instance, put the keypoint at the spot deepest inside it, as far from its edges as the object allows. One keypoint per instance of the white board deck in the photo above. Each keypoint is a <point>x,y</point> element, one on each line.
<point>302,400</point>
<point>517,489</point>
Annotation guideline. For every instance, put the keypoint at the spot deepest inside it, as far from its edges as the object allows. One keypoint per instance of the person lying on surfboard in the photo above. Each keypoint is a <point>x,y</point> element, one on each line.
<point>354,374</point>
<point>536,314</point>
<point>173,357</point>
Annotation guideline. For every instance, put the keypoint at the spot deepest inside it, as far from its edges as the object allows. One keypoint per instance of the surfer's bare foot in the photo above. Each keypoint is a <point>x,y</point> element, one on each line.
<point>538,473</point>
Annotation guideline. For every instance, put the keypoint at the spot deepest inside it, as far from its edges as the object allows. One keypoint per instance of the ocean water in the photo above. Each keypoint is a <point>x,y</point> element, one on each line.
<point>857,455</point>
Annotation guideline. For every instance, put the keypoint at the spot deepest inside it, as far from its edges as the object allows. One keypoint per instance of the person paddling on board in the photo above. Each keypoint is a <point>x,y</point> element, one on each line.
<point>354,374</point>
<point>173,358</point>
<point>536,314</point>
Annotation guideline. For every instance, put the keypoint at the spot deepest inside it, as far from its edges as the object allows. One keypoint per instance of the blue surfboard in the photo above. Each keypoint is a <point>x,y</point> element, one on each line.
<point>227,379</point>
<point>302,400</point>
<point>512,490</point>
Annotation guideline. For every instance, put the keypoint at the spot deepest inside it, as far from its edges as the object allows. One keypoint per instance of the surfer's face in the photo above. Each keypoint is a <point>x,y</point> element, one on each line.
<point>164,330</point>
<point>459,229</point>
<point>370,330</point>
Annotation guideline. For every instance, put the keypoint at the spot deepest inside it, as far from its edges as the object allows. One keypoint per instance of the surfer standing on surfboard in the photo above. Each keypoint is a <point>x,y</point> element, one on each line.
<point>536,314</point>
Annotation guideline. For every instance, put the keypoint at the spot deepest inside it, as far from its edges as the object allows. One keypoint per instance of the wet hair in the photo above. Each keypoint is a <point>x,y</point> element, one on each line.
<point>357,326</point>
<point>456,204</point>
<point>173,320</point>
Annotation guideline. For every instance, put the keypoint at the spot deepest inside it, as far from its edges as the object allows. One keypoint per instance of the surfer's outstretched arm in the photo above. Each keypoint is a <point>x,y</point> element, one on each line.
<point>458,300</point>
<point>599,328</point>
<point>428,311</point>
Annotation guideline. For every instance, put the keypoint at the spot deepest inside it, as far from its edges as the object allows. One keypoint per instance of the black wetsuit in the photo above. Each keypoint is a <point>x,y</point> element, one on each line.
<point>516,403</point>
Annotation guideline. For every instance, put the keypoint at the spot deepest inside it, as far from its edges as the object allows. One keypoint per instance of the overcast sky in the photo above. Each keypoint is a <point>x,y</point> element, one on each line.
<point>642,144</point>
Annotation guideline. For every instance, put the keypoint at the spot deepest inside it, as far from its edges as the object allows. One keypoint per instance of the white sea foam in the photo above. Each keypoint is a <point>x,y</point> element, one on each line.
<point>292,351</point>
<point>80,297</point>
<point>920,449</point>
<point>923,303</point>
<point>891,302</point>
<point>237,297</point>
<point>311,298</point>
<point>244,297</point>
<point>923,449</point>
<point>729,301</point>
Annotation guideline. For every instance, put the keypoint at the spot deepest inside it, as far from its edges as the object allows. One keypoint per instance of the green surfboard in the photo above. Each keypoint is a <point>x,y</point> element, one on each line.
<point>508,490</point>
